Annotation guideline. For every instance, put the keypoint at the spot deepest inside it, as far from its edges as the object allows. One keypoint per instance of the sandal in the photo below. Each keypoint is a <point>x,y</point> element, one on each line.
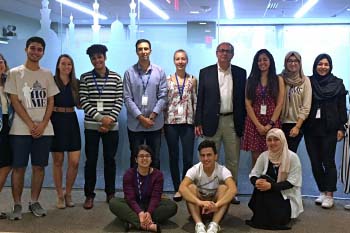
<point>68,200</point>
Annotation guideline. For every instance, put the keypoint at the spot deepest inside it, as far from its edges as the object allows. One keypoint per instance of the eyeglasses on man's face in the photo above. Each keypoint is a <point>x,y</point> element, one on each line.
<point>229,51</point>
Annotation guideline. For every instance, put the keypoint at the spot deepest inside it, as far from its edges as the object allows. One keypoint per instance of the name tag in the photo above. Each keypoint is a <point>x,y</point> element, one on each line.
<point>263,109</point>
<point>318,113</point>
<point>180,110</point>
<point>99,106</point>
<point>144,100</point>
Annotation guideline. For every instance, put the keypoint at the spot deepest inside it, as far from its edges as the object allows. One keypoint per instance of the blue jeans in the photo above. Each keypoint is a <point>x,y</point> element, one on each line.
<point>150,138</point>
<point>110,147</point>
<point>184,132</point>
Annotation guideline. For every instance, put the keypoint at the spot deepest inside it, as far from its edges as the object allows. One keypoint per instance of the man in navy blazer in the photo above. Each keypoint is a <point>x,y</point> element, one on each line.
<point>220,111</point>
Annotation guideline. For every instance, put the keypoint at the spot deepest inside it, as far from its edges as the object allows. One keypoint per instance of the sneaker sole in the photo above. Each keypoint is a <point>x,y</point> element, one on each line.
<point>15,219</point>
<point>36,214</point>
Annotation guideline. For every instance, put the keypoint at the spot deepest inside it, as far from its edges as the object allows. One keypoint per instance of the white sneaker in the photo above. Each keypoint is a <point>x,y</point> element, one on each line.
<point>347,207</point>
<point>328,202</point>
<point>200,228</point>
<point>213,228</point>
<point>320,198</point>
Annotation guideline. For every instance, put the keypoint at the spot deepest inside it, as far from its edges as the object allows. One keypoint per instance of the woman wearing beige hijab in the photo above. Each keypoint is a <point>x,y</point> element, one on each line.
<point>297,101</point>
<point>276,178</point>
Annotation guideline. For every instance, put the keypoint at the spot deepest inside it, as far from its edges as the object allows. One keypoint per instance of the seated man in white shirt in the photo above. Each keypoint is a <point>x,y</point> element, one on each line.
<point>208,188</point>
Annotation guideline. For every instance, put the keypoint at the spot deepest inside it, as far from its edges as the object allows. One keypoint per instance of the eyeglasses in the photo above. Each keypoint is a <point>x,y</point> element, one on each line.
<point>292,61</point>
<point>144,156</point>
<point>224,51</point>
<point>2,62</point>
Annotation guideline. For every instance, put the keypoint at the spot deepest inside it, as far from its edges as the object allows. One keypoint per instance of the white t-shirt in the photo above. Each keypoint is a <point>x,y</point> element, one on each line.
<point>207,185</point>
<point>33,89</point>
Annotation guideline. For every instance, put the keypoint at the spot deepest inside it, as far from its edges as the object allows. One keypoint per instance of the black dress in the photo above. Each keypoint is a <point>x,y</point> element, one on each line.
<point>270,210</point>
<point>65,124</point>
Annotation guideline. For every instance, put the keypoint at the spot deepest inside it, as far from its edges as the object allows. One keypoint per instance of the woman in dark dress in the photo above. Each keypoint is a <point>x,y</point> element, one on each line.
<point>5,120</point>
<point>142,206</point>
<point>66,128</point>
<point>276,178</point>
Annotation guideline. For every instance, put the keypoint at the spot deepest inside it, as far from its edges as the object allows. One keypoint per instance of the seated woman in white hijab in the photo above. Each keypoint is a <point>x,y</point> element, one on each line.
<point>276,178</point>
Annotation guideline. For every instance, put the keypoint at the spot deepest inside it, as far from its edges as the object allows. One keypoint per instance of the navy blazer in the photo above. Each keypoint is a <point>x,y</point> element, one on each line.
<point>208,100</point>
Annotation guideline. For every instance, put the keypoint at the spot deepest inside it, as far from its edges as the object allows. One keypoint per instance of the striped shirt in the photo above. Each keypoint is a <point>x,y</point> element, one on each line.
<point>106,90</point>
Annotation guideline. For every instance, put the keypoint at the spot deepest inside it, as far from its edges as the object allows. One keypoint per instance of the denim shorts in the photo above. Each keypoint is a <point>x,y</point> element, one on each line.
<point>38,148</point>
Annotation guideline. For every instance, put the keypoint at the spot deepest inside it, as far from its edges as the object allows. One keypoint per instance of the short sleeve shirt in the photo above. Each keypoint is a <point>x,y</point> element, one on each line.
<point>33,89</point>
<point>207,185</point>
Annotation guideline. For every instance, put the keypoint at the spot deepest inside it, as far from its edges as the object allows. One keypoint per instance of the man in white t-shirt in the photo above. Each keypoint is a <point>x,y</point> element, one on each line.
<point>31,89</point>
<point>208,188</point>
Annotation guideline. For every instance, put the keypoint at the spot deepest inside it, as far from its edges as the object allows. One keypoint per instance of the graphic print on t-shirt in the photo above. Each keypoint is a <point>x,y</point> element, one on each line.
<point>34,97</point>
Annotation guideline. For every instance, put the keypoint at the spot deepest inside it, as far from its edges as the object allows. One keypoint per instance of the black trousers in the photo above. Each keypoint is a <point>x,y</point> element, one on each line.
<point>293,142</point>
<point>110,147</point>
<point>321,150</point>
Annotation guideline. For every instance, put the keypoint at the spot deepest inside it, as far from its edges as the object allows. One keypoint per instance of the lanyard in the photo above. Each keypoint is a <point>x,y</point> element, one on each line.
<point>181,90</point>
<point>139,183</point>
<point>143,83</point>
<point>100,90</point>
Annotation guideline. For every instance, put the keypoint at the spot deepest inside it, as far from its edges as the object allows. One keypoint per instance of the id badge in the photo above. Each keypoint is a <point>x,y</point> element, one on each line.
<point>99,106</point>
<point>318,113</point>
<point>144,100</point>
<point>180,110</point>
<point>263,109</point>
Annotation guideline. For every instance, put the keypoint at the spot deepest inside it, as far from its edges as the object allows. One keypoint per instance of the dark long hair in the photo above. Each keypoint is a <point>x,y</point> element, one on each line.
<point>3,76</point>
<point>254,78</point>
<point>72,78</point>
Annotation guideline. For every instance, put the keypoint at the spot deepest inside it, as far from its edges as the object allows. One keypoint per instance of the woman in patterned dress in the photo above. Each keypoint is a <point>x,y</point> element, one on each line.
<point>179,118</point>
<point>264,101</point>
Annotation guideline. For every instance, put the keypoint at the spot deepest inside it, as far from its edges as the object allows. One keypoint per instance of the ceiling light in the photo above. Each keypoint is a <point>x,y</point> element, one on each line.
<point>81,8</point>
<point>272,5</point>
<point>194,12</point>
<point>305,8</point>
<point>150,5</point>
<point>229,9</point>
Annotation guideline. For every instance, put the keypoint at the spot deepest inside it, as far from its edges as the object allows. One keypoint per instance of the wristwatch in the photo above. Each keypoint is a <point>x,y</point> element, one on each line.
<point>272,123</point>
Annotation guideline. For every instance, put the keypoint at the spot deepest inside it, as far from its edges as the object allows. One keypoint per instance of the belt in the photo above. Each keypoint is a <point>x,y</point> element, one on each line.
<point>226,114</point>
<point>63,109</point>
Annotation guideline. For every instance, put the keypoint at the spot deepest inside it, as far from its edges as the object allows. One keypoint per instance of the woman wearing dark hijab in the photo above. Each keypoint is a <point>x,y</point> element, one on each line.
<point>325,126</point>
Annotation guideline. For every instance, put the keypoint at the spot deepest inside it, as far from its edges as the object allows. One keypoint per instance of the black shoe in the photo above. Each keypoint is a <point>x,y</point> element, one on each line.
<point>3,215</point>
<point>235,201</point>
<point>177,198</point>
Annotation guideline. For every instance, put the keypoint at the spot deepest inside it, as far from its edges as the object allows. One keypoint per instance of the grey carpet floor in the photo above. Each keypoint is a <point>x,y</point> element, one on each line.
<point>100,219</point>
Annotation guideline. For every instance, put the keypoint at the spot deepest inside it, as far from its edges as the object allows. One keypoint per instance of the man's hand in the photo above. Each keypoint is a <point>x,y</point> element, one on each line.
<point>198,131</point>
<point>38,129</point>
<point>153,116</point>
<point>145,122</point>
<point>208,207</point>
<point>107,121</point>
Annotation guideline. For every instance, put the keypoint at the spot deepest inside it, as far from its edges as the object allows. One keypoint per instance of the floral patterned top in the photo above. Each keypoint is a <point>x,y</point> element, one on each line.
<point>181,110</point>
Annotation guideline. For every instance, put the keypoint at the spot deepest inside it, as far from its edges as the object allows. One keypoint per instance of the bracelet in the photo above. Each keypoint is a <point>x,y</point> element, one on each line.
<point>272,123</point>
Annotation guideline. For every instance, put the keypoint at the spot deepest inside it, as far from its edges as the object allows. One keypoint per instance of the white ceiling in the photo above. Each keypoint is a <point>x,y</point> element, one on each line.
<point>244,9</point>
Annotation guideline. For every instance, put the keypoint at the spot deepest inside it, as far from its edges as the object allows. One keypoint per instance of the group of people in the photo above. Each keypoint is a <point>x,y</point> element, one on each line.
<point>224,108</point>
